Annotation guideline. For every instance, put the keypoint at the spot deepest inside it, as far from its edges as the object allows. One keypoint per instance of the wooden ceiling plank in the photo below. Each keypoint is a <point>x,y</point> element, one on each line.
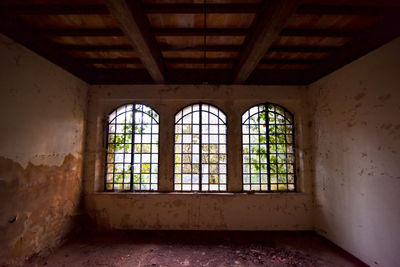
<point>371,39</point>
<point>271,20</point>
<point>35,41</point>
<point>135,25</point>
<point>199,8</point>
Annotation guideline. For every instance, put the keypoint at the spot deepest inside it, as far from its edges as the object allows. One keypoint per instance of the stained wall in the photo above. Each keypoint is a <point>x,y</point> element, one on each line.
<point>42,122</point>
<point>232,210</point>
<point>356,136</point>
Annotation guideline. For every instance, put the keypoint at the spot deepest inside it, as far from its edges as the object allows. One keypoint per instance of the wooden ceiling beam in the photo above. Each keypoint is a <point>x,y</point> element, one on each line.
<point>303,49</point>
<point>194,61</point>
<point>200,31</point>
<point>199,8</point>
<point>288,61</point>
<point>82,32</point>
<point>319,32</point>
<point>35,41</point>
<point>134,23</point>
<point>194,76</point>
<point>80,9</point>
<point>373,38</point>
<point>164,48</point>
<point>211,48</point>
<point>354,10</point>
<point>110,60</point>
<point>270,22</point>
<point>94,48</point>
<point>55,9</point>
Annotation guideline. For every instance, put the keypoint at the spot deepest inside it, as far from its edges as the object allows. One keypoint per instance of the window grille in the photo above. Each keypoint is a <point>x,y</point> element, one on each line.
<point>268,149</point>
<point>132,149</point>
<point>200,157</point>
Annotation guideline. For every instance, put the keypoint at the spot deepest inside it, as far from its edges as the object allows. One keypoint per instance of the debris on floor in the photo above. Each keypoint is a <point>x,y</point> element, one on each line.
<point>202,248</point>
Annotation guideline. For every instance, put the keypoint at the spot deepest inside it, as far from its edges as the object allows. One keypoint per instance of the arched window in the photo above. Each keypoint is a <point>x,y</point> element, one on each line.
<point>268,149</point>
<point>132,149</point>
<point>200,149</point>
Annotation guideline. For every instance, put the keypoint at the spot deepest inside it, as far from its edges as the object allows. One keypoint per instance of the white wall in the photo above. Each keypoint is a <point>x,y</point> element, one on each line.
<point>357,156</point>
<point>42,120</point>
<point>213,211</point>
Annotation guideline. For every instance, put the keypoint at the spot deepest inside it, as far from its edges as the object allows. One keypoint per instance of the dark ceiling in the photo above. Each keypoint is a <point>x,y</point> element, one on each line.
<point>192,41</point>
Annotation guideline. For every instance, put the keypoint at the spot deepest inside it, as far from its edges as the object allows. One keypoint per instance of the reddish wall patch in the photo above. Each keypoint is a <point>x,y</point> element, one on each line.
<point>39,206</point>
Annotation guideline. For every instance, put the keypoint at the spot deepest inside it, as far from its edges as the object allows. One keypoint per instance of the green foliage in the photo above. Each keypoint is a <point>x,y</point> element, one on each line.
<point>269,127</point>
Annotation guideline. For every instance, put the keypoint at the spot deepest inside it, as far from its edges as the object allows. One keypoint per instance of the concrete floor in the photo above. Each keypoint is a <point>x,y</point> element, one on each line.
<point>201,248</point>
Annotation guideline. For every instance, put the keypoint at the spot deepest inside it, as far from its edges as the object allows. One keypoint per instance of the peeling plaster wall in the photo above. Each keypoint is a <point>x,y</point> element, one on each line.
<point>357,156</point>
<point>42,120</point>
<point>167,210</point>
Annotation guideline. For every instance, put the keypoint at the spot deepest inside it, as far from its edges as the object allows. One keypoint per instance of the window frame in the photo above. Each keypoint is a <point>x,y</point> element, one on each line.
<point>106,125</point>
<point>292,123</point>
<point>200,126</point>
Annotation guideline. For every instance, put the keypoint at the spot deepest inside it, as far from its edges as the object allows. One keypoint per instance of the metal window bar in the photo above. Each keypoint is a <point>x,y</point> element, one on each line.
<point>133,147</point>
<point>207,180</point>
<point>128,149</point>
<point>277,166</point>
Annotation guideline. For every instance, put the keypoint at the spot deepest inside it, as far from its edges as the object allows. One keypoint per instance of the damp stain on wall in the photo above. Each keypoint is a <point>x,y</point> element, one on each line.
<point>39,206</point>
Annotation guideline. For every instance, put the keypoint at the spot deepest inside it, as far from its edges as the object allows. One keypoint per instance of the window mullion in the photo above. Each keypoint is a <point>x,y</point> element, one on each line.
<point>123,161</point>
<point>201,149</point>
<point>268,151</point>
<point>259,146</point>
<point>107,153</point>
<point>191,148</point>
<point>133,143</point>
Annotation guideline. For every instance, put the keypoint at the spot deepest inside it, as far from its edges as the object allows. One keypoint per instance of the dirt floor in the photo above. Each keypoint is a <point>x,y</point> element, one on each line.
<point>202,248</point>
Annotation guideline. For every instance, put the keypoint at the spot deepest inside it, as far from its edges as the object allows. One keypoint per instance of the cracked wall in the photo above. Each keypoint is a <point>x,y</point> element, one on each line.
<point>199,211</point>
<point>42,121</point>
<point>357,154</point>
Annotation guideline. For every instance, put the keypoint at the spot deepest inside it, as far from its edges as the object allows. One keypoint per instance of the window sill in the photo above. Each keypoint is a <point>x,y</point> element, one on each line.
<point>204,193</point>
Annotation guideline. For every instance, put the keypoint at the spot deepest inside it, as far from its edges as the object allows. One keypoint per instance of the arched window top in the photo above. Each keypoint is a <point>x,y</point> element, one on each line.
<point>149,114</point>
<point>277,114</point>
<point>132,149</point>
<point>214,114</point>
<point>268,149</point>
<point>200,154</point>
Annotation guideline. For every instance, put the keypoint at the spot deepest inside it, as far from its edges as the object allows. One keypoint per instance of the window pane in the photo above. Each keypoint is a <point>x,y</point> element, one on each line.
<point>268,154</point>
<point>200,124</point>
<point>132,149</point>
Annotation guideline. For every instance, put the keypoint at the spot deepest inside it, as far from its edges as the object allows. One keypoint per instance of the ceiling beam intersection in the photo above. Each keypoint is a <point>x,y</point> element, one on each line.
<point>134,23</point>
<point>271,20</point>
